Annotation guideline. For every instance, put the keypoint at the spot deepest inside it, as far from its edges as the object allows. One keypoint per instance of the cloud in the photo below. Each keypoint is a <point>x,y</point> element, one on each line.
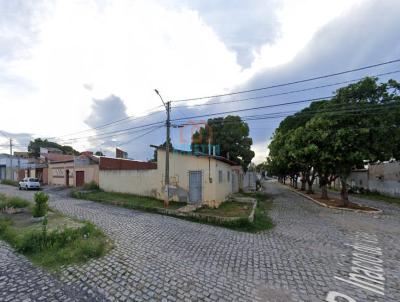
<point>73,72</point>
<point>20,141</point>
<point>244,26</point>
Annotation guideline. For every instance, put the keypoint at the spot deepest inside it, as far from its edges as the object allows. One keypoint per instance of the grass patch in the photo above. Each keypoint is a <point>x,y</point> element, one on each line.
<point>12,202</point>
<point>129,201</point>
<point>9,182</point>
<point>378,197</point>
<point>262,221</point>
<point>228,209</point>
<point>57,241</point>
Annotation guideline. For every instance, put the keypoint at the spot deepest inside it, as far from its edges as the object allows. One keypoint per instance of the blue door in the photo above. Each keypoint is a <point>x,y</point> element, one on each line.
<point>195,186</point>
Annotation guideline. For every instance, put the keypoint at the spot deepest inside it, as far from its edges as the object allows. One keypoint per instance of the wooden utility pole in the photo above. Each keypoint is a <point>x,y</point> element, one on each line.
<point>11,160</point>
<point>167,106</point>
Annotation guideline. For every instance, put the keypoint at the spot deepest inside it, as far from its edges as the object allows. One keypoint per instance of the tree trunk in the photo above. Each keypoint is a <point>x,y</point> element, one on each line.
<point>323,181</point>
<point>344,194</point>
<point>303,184</point>
<point>295,182</point>
<point>324,191</point>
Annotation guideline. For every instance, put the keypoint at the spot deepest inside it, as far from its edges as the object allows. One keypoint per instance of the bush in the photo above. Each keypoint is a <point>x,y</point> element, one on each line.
<point>91,186</point>
<point>10,182</point>
<point>75,194</point>
<point>12,202</point>
<point>41,206</point>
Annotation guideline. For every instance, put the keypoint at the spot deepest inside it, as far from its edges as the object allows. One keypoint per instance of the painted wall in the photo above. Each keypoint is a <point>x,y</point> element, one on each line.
<point>249,181</point>
<point>358,179</point>
<point>383,178</point>
<point>180,165</point>
<point>139,182</point>
<point>151,182</point>
<point>57,173</point>
<point>91,173</point>
<point>11,165</point>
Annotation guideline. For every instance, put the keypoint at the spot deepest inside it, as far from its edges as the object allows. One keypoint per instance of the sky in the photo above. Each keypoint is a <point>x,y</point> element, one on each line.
<point>68,67</point>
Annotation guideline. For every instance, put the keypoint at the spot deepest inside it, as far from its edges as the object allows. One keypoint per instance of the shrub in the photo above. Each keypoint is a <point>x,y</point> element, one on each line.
<point>91,186</point>
<point>10,182</point>
<point>75,194</point>
<point>12,202</point>
<point>41,206</point>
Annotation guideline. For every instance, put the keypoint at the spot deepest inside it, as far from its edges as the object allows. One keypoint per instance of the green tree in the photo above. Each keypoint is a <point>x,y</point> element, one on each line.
<point>99,153</point>
<point>35,145</point>
<point>231,134</point>
<point>330,138</point>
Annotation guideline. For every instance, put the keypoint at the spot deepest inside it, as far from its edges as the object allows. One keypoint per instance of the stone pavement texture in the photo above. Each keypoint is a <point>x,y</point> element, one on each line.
<point>160,258</point>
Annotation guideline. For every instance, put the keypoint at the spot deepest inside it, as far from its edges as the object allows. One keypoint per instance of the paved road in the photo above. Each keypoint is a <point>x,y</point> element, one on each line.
<point>166,259</point>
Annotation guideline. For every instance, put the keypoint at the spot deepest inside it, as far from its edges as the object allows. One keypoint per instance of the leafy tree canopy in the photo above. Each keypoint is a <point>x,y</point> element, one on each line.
<point>361,122</point>
<point>231,134</point>
<point>35,145</point>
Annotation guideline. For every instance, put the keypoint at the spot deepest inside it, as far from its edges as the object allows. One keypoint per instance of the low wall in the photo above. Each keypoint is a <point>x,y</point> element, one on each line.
<point>383,178</point>
<point>139,182</point>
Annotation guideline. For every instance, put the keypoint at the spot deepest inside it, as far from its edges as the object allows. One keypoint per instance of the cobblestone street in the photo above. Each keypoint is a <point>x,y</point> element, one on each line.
<point>162,258</point>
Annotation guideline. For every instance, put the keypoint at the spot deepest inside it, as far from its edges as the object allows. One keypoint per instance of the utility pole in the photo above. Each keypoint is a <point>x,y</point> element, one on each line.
<point>167,106</point>
<point>11,160</point>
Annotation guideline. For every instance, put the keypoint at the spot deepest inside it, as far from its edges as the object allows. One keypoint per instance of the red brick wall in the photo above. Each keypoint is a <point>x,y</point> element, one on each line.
<point>123,164</point>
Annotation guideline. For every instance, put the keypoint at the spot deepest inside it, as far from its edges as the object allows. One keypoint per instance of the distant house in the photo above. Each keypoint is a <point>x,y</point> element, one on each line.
<point>193,178</point>
<point>74,172</point>
<point>120,153</point>
<point>12,167</point>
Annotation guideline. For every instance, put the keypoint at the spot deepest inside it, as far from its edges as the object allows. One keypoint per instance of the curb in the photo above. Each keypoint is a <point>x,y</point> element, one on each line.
<point>377,211</point>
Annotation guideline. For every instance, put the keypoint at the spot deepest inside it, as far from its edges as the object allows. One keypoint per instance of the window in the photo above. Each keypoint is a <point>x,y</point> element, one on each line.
<point>229,176</point>
<point>220,176</point>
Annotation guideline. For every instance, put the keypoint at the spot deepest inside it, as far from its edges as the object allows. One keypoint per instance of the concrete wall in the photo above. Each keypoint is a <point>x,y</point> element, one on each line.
<point>139,182</point>
<point>151,182</point>
<point>358,179</point>
<point>57,173</point>
<point>91,173</point>
<point>383,178</point>
<point>11,166</point>
<point>249,181</point>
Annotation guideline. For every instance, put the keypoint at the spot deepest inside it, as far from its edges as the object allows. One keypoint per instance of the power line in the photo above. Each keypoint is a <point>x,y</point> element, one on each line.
<point>130,118</point>
<point>289,83</point>
<point>254,108</point>
<point>122,131</point>
<point>341,111</point>
<point>285,93</point>
<point>140,136</point>
<point>111,133</point>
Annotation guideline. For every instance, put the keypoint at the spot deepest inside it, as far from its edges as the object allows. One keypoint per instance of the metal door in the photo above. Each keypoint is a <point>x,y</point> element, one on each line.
<point>2,172</point>
<point>234,181</point>
<point>80,178</point>
<point>195,186</point>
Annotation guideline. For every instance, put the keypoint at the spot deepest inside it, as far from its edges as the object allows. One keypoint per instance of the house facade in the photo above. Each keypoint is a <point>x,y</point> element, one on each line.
<point>193,178</point>
<point>74,172</point>
<point>11,167</point>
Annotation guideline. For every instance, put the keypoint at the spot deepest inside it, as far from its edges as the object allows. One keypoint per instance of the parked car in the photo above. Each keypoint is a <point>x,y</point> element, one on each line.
<point>29,183</point>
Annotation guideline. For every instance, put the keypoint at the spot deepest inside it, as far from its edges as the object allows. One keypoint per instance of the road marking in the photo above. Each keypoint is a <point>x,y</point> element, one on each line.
<point>366,267</point>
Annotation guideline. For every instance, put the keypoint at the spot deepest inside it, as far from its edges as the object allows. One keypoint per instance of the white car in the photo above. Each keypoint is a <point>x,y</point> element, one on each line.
<point>29,183</point>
